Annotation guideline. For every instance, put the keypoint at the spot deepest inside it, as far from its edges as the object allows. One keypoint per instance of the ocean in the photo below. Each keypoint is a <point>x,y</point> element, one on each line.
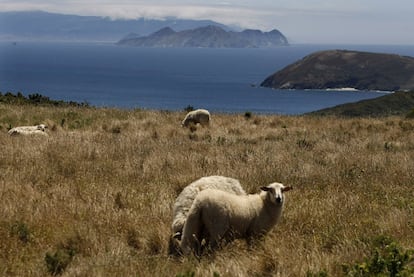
<point>220,80</point>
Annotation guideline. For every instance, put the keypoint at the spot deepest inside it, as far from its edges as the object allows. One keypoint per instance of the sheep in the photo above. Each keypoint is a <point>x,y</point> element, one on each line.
<point>185,199</point>
<point>28,130</point>
<point>216,215</point>
<point>195,117</point>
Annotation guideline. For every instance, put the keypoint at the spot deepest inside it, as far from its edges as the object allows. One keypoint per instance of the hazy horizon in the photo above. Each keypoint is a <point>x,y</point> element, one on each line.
<point>303,21</point>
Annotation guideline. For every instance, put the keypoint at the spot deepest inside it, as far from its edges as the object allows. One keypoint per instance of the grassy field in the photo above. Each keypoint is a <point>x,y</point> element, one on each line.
<point>95,197</point>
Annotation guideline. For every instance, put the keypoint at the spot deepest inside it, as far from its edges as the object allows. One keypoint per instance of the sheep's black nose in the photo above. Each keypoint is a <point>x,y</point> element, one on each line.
<point>278,199</point>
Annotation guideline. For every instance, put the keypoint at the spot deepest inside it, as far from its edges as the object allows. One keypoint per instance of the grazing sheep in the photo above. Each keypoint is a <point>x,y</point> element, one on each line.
<point>28,130</point>
<point>200,116</point>
<point>185,199</point>
<point>217,215</point>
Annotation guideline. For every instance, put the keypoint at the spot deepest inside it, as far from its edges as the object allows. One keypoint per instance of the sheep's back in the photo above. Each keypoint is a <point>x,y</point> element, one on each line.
<point>217,202</point>
<point>220,209</point>
<point>185,199</point>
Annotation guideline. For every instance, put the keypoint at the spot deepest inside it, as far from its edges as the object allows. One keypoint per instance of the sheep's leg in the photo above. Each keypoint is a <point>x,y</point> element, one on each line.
<point>216,231</point>
<point>173,247</point>
<point>190,239</point>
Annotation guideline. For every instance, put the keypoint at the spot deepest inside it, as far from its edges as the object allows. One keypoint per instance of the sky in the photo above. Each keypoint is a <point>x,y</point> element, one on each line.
<point>301,21</point>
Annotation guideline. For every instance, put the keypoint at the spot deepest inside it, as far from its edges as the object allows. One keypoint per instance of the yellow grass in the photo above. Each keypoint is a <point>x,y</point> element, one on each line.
<point>104,182</point>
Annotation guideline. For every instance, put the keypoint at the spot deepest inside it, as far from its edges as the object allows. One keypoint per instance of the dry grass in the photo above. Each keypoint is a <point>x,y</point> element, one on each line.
<point>99,190</point>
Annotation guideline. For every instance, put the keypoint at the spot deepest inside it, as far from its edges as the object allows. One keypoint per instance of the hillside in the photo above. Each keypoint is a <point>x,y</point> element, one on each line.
<point>208,37</point>
<point>398,103</point>
<point>346,69</point>
<point>95,197</point>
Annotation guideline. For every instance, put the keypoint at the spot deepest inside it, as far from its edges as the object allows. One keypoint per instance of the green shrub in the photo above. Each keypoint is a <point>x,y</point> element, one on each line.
<point>317,274</point>
<point>387,259</point>
<point>57,262</point>
<point>189,108</point>
<point>21,230</point>
<point>248,115</point>
<point>36,99</point>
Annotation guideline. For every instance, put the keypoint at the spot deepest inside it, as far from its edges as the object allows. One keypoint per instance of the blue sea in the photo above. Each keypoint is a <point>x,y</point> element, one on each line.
<point>221,80</point>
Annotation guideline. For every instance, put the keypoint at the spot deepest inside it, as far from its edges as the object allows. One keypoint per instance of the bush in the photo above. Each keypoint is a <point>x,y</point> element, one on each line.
<point>189,108</point>
<point>57,262</point>
<point>318,274</point>
<point>387,259</point>
<point>248,115</point>
<point>21,230</point>
<point>36,99</point>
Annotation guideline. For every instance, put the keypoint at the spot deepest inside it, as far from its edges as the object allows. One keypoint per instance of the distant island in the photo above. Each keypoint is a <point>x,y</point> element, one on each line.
<point>339,69</point>
<point>208,37</point>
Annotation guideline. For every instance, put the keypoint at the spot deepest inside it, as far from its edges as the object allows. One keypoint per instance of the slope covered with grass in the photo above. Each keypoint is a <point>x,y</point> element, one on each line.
<point>398,103</point>
<point>95,197</point>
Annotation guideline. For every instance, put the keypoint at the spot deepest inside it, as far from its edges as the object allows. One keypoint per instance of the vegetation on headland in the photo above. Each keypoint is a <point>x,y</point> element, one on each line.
<point>95,197</point>
<point>398,103</point>
<point>36,99</point>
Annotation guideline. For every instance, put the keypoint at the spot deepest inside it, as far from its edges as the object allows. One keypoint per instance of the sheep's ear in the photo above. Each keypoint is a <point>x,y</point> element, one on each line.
<point>265,188</point>
<point>285,189</point>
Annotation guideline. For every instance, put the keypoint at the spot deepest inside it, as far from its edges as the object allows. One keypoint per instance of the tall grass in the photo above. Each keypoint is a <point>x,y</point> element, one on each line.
<point>95,197</point>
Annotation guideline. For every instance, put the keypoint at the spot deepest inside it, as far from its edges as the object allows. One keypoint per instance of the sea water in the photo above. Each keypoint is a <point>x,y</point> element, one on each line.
<point>221,80</point>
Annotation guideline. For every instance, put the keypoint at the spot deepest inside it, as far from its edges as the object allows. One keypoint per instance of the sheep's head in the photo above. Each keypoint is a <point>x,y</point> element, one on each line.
<point>275,192</point>
<point>41,127</point>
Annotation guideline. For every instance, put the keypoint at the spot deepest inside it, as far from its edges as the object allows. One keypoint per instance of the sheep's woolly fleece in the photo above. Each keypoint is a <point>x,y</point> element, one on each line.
<point>28,130</point>
<point>221,215</point>
<point>200,116</point>
<point>185,199</point>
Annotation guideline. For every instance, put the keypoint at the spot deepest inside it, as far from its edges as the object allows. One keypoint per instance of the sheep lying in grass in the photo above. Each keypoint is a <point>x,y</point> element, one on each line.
<point>195,117</point>
<point>216,215</point>
<point>28,130</point>
<point>185,199</point>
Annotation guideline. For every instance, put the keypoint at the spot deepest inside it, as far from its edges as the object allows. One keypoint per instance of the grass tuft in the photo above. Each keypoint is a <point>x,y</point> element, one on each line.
<point>57,262</point>
<point>22,231</point>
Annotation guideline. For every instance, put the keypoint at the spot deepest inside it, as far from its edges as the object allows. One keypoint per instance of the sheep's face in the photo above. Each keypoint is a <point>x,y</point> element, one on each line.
<point>275,192</point>
<point>189,118</point>
<point>41,127</point>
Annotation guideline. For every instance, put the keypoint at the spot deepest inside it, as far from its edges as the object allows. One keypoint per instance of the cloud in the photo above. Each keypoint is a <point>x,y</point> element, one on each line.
<point>127,9</point>
<point>221,11</point>
<point>306,20</point>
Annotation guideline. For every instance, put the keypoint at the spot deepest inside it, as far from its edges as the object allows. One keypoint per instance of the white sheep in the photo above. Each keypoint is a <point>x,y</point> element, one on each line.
<point>185,199</point>
<point>195,117</point>
<point>28,130</point>
<point>216,215</point>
